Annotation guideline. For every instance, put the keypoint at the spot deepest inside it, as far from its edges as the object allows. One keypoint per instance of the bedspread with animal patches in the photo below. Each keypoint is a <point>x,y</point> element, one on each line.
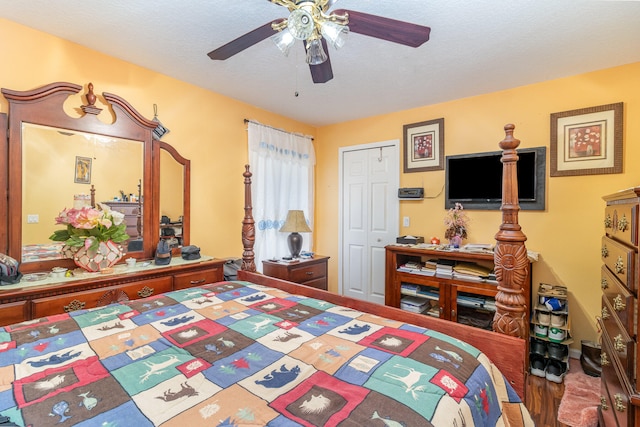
<point>240,354</point>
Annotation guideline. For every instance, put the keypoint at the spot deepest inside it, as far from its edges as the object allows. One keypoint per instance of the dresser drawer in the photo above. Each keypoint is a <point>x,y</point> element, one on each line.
<point>621,261</point>
<point>621,222</point>
<point>621,344</point>
<point>89,299</point>
<point>623,303</point>
<point>198,278</point>
<point>614,392</point>
<point>14,312</point>
<point>304,273</point>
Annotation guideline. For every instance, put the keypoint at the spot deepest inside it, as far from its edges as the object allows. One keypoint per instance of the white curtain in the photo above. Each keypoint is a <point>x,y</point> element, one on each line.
<point>282,164</point>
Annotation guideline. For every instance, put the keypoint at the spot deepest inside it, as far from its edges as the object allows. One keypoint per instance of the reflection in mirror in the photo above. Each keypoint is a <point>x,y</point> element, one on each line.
<point>175,213</point>
<point>59,168</point>
<point>171,199</point>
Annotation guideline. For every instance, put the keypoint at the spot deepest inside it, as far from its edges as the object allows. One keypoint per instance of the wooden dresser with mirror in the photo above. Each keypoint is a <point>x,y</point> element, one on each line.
<point>53,133</point>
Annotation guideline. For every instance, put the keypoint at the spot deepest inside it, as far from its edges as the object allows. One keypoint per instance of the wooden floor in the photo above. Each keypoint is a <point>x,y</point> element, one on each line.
<point>543,400</point>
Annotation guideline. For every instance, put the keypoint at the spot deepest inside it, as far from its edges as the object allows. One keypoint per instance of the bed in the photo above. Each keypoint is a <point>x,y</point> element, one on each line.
<point>257,351</point>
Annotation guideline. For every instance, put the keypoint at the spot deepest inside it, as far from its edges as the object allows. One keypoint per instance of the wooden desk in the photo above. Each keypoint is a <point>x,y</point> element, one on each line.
<point>311,272</point>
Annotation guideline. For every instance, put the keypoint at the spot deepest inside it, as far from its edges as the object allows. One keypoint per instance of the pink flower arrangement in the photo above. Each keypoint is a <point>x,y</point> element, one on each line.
<point>88,226</point>
<point>456,221</point>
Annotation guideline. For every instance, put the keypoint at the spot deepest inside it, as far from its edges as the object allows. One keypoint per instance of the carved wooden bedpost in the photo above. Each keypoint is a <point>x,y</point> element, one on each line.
<point>248,226</point>
<point>510,255</point>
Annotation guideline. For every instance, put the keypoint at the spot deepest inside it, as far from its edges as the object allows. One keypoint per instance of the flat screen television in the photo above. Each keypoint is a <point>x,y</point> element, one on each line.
<point>475,180</point>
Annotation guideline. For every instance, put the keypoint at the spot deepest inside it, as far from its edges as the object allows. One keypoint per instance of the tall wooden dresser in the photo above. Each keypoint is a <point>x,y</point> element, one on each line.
<point>620,399</point>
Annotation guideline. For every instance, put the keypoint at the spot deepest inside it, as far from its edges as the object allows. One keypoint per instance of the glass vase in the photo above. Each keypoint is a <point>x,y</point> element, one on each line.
<point>455,241</point>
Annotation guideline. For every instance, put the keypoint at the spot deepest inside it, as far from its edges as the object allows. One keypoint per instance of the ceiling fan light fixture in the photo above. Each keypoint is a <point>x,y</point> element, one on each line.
<point>284,40</point>
<point>301,24</point>
<point>335,34</point>
<point>315,53</point>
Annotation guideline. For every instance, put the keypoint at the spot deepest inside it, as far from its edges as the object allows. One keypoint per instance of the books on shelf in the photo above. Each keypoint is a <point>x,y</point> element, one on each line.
<point>447,268</point>
<point>409,289</point>
<point>472,269</point>
<point>417,268</point>
<point>444,268</point>
<point>477,302</point>
<point>414,304</point>
<point>423,292</point>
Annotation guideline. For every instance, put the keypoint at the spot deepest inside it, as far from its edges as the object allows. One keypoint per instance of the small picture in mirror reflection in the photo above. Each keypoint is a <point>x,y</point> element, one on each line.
<point>83,170</point>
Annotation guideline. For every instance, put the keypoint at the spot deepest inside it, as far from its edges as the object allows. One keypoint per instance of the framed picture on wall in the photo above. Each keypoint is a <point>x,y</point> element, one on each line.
<point>424,146</point>
<point>83,170</point>
<point>587,141</point>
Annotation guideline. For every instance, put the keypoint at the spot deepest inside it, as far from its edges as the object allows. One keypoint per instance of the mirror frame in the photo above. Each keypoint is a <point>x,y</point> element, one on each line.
<point>45,106</point>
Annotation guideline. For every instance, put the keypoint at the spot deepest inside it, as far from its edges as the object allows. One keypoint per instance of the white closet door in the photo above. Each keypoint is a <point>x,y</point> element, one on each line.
<point>369,218</point>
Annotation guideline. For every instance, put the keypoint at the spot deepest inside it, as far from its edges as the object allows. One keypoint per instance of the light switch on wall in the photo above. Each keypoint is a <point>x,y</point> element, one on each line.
<point>405,221</point>
<point>33,219</point>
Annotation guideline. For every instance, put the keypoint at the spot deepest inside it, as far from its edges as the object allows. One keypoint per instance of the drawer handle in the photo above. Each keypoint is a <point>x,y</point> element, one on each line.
<point>618,344</point>
<point>620,265</point>
<point>145,292</point>
<point>197,282</point>
<point>309,273</point>
<point>605,313</point>
<point>74,305</point>
<point>618,303</point>
<point>604,359</point>
<point>603,283</point>
<point>607,221</point>
<point>453,314</point>
<point>603,403</point>
<point>604,251</point>
<point>623,223</point>
<point>619,406</point>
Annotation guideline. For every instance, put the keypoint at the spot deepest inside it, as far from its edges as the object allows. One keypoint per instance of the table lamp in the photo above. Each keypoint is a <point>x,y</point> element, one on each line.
<point>295,224</point>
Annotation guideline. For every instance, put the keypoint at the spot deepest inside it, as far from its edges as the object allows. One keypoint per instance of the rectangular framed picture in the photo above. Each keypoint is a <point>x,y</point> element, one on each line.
<point>83,170</point>
<point>424,146</point>
<point>587,141</point>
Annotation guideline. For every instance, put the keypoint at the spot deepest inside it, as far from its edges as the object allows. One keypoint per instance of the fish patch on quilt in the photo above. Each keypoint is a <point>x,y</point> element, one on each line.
<point>236,353</point>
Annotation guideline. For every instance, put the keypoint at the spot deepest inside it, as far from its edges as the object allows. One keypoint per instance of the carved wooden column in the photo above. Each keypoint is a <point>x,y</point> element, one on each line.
<point>510,255</point>
<point>248,226</point>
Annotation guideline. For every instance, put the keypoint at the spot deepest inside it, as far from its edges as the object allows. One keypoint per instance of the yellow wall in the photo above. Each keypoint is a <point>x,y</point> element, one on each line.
<point>567,235</point>
<point>208,129</point>
<point>205,127</point>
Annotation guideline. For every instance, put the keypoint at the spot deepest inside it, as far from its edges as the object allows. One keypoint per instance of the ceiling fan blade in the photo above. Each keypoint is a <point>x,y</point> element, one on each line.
<point>386,29</point>
<point>244,41</point>
<point>330,4</point>
<point>321,73</point>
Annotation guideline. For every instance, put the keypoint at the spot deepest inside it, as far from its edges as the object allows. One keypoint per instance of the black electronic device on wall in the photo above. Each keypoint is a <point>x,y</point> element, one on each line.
<point>411,193</point>
<point>475,180</point>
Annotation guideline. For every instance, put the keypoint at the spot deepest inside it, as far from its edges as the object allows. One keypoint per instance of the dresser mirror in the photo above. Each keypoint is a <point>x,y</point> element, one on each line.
<point>58,154</point>
<point>175,181</point>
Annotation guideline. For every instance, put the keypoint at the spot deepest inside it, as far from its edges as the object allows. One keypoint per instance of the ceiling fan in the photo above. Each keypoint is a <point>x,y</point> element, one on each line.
<point>311,22</point>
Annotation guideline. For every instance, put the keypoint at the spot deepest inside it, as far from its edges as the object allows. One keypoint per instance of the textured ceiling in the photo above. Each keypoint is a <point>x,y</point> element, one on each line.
<point>476,47</point>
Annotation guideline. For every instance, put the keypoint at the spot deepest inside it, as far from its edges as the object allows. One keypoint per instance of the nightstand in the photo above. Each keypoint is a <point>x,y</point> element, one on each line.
<point>311,272</point>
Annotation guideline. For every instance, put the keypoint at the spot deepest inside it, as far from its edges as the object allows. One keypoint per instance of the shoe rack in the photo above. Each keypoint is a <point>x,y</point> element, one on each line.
<point>550,333</point>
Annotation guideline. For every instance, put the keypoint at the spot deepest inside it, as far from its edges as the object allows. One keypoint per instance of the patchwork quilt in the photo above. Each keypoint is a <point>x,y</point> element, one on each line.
<point>240,354</point>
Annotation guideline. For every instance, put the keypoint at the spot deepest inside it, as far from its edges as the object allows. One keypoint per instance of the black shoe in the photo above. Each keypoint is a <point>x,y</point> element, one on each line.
<point>558,351</point>
<point>555,370</point>
<point>538,347</point>
<point>590,358</point>
<point>538,365</point>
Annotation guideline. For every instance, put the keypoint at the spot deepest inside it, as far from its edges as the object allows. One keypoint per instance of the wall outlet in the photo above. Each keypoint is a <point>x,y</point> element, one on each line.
<point>33,219</point>
<point>405,221</point>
